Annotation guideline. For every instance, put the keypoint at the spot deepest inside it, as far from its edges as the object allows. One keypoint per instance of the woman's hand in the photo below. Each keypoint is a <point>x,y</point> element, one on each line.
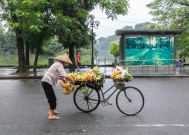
<point>63,79</point>
<point>66,79</point>
<point>71,81</point>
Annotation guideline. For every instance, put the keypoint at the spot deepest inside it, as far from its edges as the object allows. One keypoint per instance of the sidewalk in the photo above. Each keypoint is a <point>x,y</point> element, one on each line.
<point>8,73</point>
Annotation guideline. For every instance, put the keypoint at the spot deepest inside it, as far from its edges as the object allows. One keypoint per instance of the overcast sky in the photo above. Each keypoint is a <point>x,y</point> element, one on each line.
<point>138,13</point>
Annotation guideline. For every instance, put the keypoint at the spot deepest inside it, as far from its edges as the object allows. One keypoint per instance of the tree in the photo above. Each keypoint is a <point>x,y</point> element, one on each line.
<point>52,46</point>
<point>172,14</point>
<point>7,41</point>
<point>114,50</point>
<point>2,39</point>
<point>22,15</point>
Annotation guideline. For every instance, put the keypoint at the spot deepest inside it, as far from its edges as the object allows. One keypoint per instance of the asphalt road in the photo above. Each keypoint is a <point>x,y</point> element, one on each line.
<point>23,110</point>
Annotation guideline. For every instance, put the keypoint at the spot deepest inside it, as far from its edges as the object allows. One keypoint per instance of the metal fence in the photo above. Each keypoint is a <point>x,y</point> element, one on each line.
<point>145,67</point>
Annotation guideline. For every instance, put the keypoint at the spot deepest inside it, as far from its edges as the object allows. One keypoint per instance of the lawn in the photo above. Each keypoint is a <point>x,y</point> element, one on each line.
<point>12,60</point>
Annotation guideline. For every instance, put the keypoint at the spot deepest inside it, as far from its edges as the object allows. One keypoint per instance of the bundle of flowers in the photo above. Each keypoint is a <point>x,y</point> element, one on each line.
<point>121,73</point>
<point>68,87</point>
<point>93,77</point>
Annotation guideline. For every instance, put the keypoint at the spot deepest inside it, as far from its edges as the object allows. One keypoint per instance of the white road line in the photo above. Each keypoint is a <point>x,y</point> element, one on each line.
<point>161,125</point>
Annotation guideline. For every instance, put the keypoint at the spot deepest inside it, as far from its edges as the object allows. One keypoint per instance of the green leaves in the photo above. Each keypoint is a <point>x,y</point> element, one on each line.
<point>14,25</point>
<point>113,8</point>
<point>28,2</point>
<point>35,28</point>
<point>114,48</point>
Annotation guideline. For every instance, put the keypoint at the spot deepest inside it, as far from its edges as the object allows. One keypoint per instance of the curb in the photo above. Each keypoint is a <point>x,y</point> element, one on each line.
<point>143,76</point>
<point>20,77</point>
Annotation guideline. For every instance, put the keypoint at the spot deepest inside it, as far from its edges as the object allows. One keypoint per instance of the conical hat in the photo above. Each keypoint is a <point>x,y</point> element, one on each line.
<point>64,58</point>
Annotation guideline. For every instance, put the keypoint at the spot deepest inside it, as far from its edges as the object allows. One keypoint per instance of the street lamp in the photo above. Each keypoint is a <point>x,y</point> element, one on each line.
<point>92,24</point>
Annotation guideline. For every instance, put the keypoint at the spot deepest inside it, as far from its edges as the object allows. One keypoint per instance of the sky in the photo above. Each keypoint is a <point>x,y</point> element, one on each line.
<point>138,13</point>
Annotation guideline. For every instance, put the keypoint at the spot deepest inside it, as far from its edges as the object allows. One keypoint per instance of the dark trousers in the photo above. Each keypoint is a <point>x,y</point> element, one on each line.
<point>79,64</point>
<point>49,92</point>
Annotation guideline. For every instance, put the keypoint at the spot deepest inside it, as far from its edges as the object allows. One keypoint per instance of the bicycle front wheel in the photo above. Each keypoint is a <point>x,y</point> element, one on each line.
<point>86,101</point>
<point>130,101</point>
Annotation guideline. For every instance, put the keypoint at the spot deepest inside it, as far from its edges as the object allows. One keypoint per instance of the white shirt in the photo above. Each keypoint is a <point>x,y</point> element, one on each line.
<point>52,75</point>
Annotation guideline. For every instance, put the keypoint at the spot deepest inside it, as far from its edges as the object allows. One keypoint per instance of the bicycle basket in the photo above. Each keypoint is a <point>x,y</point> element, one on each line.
<point>119,84</point>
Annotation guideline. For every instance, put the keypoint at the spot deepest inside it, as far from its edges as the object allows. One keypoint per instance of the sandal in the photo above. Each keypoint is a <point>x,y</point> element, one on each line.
<point>53,117</point>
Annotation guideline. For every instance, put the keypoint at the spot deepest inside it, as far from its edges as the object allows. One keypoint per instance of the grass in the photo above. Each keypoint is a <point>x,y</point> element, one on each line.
<point>12,60</point>
<point>43,61</point>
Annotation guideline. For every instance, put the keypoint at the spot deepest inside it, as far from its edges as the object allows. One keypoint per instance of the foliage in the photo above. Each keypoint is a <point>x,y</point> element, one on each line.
<point>114,48</point>
<point>102,46</point>
<point>143,26</point>
<point>2,39</point>
<point>52,46</point>
<point>182,44</point>
<point>20,14</point>
<point>7,41</point>
<point>114,7</point>
<point>23,17</point>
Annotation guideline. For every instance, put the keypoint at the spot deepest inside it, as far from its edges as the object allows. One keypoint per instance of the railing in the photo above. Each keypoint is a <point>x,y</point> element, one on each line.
<point>145,67</point>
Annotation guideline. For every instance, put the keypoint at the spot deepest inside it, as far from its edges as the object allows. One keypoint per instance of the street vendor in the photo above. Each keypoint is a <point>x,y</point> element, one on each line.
<point>49,80</point>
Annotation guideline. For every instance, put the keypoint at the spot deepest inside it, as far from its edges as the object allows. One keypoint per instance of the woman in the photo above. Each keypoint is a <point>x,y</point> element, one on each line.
<point>49,80</point>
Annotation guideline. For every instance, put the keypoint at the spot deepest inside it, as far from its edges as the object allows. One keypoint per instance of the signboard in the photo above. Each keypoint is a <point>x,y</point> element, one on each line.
<point>149,50</point>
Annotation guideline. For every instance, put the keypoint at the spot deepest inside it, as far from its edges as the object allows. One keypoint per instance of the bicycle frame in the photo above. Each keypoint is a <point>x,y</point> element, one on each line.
<point>104,99</point>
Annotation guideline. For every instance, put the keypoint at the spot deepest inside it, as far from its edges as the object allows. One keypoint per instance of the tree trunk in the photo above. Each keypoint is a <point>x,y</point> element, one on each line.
<point>27,54</point>
<point>72,67</point>
<point>35,62</point>
<point>36,57</point>
<point>37,53</point>
<point>21,56</point>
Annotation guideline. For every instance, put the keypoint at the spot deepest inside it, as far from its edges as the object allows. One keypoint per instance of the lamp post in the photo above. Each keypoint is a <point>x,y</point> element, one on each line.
<point>92,24</point>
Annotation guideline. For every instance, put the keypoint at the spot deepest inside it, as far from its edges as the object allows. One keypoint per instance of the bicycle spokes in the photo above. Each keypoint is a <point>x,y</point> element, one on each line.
<point>87,100</point>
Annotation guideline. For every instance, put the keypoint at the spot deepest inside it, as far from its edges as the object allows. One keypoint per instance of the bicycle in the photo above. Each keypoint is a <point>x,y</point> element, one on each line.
<point>129,100</point>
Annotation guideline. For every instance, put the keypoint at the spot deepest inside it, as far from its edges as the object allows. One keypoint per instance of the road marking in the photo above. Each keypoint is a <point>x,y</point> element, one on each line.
<point>162,125</point>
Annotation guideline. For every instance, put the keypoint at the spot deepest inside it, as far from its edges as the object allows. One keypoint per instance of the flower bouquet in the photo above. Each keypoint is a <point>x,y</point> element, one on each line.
<point>68,87</point>
<point>93,78</point>
<point>120,75</point>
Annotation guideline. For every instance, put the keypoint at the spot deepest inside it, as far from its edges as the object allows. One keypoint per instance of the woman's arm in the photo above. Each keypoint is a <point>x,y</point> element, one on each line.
<point>66,79</point>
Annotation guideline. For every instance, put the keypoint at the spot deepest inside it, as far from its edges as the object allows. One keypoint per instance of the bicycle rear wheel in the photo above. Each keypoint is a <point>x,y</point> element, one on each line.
<point>88,101</point>
<point>130,101</point>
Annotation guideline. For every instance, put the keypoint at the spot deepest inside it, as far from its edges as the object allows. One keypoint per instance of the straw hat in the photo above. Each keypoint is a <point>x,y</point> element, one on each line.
<point>64,58</point>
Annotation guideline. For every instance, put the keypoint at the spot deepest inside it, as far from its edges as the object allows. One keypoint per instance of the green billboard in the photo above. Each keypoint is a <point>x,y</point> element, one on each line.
<point>149,50</point>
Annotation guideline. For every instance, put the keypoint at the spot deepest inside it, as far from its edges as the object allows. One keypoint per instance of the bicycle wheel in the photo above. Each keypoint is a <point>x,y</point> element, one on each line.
<point>130,101</point>
<point>86,102</point>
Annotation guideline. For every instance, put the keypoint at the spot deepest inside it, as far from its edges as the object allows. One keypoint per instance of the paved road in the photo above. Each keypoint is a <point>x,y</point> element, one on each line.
<point>23,111</point>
